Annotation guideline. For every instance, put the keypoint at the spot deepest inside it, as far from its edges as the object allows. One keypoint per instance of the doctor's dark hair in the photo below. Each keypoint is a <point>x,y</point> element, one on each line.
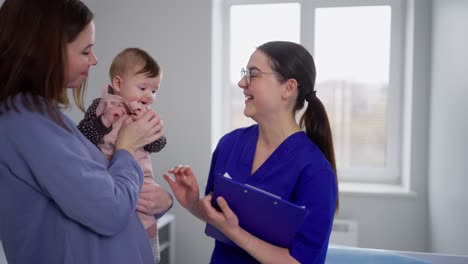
<point>292,61</point>
<point>34,35</point>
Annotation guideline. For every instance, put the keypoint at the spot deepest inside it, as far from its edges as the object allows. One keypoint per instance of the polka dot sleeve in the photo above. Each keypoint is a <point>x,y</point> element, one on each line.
<point>157,145</point>
<point>91,126</point>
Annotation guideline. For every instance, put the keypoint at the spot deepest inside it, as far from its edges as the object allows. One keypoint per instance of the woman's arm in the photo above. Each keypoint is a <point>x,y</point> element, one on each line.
<point>68,170</point>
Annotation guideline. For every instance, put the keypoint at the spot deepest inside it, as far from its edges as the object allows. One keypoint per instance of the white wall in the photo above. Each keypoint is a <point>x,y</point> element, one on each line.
<point>449,128</point>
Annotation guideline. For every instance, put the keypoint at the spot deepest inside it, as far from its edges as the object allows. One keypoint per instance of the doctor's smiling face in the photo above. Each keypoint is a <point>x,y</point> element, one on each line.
<point>262,89</point>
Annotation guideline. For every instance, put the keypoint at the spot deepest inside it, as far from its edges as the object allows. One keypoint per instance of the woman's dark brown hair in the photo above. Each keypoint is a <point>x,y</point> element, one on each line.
<point>33,53</point>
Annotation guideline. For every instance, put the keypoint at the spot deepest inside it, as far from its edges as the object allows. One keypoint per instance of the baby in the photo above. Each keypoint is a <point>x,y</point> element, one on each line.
<point>135,78</point>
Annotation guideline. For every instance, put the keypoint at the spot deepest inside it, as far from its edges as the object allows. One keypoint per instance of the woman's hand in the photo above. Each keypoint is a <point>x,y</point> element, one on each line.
<point>153,198</point>
<point>138,132</point>
<point>185,188</point>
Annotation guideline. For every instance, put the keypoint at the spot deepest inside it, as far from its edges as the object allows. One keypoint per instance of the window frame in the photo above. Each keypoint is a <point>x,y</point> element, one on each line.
<point>391,174</point>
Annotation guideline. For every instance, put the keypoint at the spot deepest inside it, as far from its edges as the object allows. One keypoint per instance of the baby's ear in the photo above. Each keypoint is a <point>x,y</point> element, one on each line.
<point>116,83</point>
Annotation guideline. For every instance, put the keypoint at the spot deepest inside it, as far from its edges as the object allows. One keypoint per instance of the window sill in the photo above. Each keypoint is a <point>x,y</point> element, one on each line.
<point>375,189</point>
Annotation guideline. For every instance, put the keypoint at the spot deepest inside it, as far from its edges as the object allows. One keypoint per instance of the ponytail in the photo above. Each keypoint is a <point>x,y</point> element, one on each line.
<point>317,127</point>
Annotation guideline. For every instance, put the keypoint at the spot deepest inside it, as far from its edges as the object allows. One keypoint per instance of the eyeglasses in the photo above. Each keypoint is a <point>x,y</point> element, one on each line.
<point>252,73</point>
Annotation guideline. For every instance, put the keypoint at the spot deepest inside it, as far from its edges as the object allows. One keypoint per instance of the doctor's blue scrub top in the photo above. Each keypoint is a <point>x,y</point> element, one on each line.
<point>296,171</point>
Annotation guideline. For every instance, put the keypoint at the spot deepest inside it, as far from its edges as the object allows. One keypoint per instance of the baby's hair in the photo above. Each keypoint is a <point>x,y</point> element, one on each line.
<point>130,58</point>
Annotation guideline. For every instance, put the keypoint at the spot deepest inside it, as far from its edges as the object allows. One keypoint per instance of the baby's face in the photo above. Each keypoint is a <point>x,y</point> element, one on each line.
<point>139,87</point>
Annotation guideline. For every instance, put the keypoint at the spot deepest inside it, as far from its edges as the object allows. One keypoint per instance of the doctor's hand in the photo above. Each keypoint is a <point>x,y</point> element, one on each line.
<point>226,221</point>
<point>185,188</point>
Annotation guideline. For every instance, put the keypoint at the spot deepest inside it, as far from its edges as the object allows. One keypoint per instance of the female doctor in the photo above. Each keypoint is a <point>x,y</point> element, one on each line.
<point>293,160</point>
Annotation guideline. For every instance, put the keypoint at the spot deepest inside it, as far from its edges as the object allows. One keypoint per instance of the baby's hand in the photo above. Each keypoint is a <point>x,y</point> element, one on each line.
<point>111,115</point>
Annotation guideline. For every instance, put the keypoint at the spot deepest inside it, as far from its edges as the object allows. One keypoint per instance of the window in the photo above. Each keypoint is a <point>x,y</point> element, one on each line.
<point>357,46</point>
<point>247,31</point>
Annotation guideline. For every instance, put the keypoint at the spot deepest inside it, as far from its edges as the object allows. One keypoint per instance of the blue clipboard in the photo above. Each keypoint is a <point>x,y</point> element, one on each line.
<point>261,213</point>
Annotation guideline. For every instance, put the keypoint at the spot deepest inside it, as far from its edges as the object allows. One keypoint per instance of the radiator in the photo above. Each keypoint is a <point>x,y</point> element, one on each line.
<point>344,232</point>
